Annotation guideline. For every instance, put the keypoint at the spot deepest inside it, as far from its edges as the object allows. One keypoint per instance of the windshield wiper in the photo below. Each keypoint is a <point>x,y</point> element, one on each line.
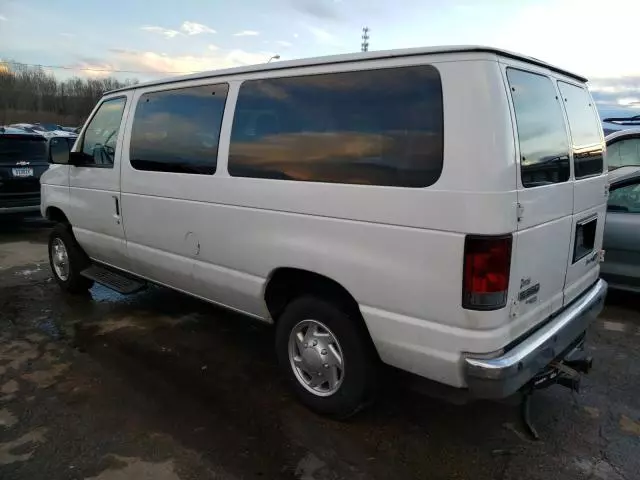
<point>623,120</point>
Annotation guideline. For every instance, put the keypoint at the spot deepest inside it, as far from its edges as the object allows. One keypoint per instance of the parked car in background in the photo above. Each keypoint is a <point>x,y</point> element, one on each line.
<point>621,267</point>
<point>618,122</point>
<point>23,158</point>
<point>28,127</point>
<point>623,148</point>
<point>49,129</point>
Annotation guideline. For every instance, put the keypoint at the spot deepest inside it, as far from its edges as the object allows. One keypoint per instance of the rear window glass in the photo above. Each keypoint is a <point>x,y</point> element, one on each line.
<point>544,146</point>
<point>585,130</point>
<point>23,148</point>
<point>373,127</point>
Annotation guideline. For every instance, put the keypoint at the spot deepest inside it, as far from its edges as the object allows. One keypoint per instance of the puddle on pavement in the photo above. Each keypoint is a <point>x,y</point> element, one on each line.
<point>8,450</point>
<point>137,468</point>
<point>101,293</point>
<point>50,327</point>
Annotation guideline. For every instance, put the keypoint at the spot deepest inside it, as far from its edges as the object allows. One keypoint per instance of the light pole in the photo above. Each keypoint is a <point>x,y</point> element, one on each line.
<point>275,57</point>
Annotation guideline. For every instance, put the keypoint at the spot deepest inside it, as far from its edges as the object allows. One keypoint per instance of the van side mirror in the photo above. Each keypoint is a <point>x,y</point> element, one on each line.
<point>59,151</point>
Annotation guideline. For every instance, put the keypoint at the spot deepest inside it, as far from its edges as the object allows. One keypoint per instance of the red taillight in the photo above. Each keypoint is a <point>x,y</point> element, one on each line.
<point>487,263</point>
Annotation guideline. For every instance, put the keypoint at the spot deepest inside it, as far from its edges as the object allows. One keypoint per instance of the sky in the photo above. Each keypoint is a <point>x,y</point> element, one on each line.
<point>157,38</point>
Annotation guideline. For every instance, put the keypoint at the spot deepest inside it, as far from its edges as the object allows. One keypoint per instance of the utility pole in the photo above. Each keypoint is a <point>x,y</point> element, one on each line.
<point>365,39</point>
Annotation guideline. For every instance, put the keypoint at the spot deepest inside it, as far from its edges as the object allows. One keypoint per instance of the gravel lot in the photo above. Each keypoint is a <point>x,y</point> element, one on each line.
<point>162,386</point>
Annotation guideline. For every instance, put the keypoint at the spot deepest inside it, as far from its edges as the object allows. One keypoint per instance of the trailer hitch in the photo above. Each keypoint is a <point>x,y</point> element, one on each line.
<point>566,373</point>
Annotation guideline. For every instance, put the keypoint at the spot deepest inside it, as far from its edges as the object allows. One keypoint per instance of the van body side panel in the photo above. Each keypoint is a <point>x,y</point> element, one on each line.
<point>221,237</point>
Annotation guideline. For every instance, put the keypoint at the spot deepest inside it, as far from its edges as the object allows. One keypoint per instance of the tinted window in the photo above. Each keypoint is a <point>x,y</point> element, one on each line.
<point>22,148</point>
<point>178,130</point>
<point>625,199</point>
<point>544,147</point>
<point>585,130</point>
<point>624,153</point>
<point>101,135</point>
<point>374,127</point>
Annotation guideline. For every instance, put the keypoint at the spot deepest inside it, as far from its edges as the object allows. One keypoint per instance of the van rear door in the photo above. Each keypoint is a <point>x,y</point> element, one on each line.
<point>590,188</point>
<point>542,242</point>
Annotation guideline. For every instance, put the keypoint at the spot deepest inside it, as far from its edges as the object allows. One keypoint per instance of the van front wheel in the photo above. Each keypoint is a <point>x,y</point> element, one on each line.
<point>67,260</point>
<point>326,357</point>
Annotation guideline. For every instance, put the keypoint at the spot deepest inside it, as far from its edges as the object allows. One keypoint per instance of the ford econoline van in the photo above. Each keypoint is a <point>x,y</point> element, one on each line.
<point>440,210</point>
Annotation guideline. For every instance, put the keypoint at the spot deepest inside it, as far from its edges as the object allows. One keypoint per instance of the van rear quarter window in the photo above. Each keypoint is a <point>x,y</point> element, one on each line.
<point>178,130</point>
<point>371,127</point>
<point>585,130</point>
<point>544,146</point>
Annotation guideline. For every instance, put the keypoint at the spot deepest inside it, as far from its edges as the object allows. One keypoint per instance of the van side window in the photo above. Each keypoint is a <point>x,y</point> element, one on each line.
<point>373,127</point>
<point>178,130</point>
<point>101,135</point>
<point>585,130</point>
<point>544,147</point>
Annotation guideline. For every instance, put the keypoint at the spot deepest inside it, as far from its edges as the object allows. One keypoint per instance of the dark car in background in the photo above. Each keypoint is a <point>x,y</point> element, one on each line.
<point>23,159</point>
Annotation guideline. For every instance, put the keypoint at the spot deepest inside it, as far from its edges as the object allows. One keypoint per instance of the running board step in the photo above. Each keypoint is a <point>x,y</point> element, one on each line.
<point>117,281</point>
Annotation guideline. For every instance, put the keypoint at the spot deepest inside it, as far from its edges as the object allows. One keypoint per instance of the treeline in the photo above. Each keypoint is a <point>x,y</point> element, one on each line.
<point>29,94</point>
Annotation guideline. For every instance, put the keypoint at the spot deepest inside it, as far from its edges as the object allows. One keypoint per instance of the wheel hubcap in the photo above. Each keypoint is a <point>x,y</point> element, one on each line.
<point>60,259</point>
<point>316,357</point>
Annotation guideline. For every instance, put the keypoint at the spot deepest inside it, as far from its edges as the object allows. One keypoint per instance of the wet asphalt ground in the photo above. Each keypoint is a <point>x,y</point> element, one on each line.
<point>162,386</point>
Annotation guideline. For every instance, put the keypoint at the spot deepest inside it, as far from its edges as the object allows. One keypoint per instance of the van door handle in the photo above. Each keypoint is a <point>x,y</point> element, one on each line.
<point>117,214</point>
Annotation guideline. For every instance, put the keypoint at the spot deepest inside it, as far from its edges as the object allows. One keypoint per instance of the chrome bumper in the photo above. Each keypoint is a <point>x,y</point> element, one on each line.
<point>504,375</point>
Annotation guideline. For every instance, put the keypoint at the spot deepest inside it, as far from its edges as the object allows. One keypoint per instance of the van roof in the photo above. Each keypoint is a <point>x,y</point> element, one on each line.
<point>353,57</point>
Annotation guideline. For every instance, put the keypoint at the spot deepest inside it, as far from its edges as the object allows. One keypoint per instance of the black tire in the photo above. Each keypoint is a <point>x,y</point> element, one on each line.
<point>77,259</point>
<point>361,363</point>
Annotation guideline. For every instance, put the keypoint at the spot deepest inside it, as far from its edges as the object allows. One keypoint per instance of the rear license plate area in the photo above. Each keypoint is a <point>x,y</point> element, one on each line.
<point>585,238</point>
<point>22,172</point>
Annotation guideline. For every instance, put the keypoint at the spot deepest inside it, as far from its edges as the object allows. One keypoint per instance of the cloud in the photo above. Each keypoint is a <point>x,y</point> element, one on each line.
<point>295,35</point>
<point>166,32</point>
<point>323,37</point>
<point>3,18</point>
<point>284,43</point>
<point>616,92</point>
<point>94,69</point>
<point>193,28</point>
<point>317,9</point>
<point>188,28</point>
<point>588,54</point>
<point>246,33</point>
<point>68,35</point>
<point>164,64</point>
<point>213,48</point>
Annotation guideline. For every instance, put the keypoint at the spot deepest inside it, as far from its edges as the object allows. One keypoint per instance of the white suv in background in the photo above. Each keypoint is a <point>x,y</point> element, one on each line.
<point>438,209</point>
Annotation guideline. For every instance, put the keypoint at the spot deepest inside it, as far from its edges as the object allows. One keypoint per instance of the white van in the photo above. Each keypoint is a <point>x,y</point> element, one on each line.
<point>439,209</point>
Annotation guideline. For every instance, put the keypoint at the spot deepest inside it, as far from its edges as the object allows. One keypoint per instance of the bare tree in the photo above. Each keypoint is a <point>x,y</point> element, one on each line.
<point>29,94</point>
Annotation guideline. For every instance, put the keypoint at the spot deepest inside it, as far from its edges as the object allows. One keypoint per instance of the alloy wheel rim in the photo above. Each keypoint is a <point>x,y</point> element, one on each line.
<point>60,259</point>
<point>316,358</point>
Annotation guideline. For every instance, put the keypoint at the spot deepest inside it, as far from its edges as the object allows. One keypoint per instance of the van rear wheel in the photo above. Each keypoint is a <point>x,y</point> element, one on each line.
<point>67,260</point>
<point>326,357</point>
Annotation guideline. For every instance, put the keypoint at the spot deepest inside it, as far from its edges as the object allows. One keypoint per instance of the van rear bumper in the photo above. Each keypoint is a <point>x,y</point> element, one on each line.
<point>505,374</point>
